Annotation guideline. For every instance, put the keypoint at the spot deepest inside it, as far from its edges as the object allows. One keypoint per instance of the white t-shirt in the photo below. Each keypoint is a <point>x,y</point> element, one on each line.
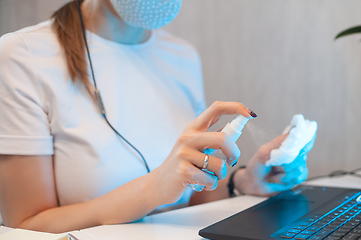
<point>151,91</point>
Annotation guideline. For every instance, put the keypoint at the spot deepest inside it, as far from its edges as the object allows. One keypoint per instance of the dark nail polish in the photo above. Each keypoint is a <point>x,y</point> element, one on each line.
<point>253,114</point>
<point>234,164</point>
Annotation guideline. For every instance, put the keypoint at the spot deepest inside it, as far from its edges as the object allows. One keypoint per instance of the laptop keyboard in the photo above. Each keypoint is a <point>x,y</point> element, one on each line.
<point>342,222</point>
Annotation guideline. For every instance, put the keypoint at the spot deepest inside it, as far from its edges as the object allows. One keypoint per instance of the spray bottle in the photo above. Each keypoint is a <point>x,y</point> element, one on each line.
<point>233,130</point>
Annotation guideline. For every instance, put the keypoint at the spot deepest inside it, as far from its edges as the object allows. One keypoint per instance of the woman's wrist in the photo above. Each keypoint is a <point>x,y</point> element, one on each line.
<point>154,191</point>
<point>232,189</point>
<point>239,180</point>
<point>243,181</point>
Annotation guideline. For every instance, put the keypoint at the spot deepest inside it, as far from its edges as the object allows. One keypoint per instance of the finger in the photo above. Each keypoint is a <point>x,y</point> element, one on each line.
<point>275,177</point>
<point>265,149</point>
<point>212,186</point>
<point>277,170</point>
<point>215,165</point>
<point>276,142</point>
<point>217,140</point>
<point>207,180</point>
<point>299,161</point>
<point>212,114</point>
<point>296,176</point>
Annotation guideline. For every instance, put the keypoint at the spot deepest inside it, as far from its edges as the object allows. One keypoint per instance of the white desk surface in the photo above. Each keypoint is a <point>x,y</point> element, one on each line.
<point>186,222</point>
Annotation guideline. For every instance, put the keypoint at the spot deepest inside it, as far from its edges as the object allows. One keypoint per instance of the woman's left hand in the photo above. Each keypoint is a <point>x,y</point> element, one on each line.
<point>259,179</point>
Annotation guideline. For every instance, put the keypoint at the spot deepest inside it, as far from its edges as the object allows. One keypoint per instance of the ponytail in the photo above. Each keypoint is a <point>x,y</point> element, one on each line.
<point>67,26</point>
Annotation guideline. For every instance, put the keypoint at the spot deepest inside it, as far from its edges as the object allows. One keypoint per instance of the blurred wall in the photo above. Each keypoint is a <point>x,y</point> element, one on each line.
<point>277,57</point>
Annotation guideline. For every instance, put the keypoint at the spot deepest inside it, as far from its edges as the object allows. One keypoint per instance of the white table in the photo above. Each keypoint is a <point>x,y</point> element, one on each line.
<point>185,223</point>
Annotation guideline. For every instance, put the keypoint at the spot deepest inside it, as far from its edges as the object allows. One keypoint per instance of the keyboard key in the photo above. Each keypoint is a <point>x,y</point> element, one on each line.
<point>338,220</point>
<point>334,224</point>
<point>348,228</point>
<point>306,232</point>
<point>358,227</point>
<point>294,230</point>
<point>351,224</point>
<point>288,235</point>
<point>315,238</point>
<point>300,227</point>
<point>305,224</point>
<point>343,231</point>
<point>313,228</point>
<point>337,235</point>
<point>302,237</point>
<point>330,227</point>
<point>355,231</point>
<point>323,232</point>
<point>351,237</point>
<point>318,224</point>
<point>355,220</point>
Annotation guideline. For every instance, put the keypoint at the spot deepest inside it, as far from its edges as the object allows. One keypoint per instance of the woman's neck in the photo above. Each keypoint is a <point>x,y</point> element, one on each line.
<point>101,18</point>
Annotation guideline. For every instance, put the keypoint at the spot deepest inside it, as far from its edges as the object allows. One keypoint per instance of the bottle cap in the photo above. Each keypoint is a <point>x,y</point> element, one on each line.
<point>234,129</point>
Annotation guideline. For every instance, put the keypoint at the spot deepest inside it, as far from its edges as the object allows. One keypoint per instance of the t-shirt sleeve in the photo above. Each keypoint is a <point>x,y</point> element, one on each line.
<point>24,124</point>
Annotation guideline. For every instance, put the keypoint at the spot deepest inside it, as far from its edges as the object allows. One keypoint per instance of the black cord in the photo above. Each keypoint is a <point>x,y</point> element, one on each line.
<point>97,93</point>
<point>125,140</point>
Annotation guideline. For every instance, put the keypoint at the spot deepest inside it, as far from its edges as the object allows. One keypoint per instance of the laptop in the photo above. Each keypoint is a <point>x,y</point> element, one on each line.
<point>305,212</point>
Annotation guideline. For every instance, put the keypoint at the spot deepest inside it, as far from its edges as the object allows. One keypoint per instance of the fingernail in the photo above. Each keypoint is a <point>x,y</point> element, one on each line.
<point>234,164</point>
<point>253,114</point>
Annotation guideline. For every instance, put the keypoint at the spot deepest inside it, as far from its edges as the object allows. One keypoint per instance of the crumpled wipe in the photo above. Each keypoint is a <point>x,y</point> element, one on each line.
<point>301,132</point>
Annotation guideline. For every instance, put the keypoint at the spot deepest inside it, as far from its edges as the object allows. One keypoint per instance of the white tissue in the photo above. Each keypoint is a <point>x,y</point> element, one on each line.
<point>301,132</point>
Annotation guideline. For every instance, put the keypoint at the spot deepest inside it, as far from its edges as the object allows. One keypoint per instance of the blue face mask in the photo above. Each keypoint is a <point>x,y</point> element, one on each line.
<point>147,14</point>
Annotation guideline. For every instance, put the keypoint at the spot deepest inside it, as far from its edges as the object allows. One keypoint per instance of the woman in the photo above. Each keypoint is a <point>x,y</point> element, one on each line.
<point>60,159</point>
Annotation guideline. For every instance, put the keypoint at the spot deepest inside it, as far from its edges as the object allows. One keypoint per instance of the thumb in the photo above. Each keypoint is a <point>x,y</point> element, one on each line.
<point>264,151</point>
<point>276,142</point>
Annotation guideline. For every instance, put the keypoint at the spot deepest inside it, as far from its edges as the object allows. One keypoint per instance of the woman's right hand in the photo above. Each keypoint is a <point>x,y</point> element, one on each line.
<point>183,165</point>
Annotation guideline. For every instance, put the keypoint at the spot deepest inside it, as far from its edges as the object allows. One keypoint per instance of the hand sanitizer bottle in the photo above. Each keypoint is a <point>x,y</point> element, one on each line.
<point>234,130</point>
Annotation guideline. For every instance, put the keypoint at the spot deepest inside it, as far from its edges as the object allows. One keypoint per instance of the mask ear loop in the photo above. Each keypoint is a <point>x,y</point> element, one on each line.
<point>97,92</point>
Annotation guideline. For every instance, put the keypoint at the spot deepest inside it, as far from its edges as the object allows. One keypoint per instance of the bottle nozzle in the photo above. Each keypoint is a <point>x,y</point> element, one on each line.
<point>239,122</point>
<point>234,128</point>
